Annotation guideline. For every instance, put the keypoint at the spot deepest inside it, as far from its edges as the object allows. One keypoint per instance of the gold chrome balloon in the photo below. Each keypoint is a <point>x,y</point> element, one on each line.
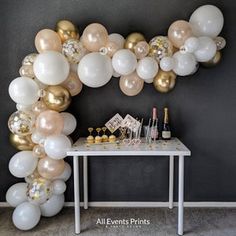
<point>214,61</point>
<point>160,46</point>
<point>164,81</point>
<point>132,39</point>
<point>57,98</point>
<point>23,143</point>
<point>66,30</point>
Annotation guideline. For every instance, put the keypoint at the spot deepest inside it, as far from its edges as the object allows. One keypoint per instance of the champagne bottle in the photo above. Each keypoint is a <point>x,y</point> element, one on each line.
<point>154,124</point>
<point>166,132</point>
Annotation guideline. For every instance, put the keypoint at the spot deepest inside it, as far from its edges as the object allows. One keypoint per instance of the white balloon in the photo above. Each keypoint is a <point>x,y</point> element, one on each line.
<point>16,194</point>
<point>26,216</point>
<point>23,164</point>
<point>56,146</point>
<point>117,39</point>
<point>206,49</point>
<point>69,123</point>
<point>191,44</point>
<point>124,62</point>
<point>184,63</point>
<point>52,206</point>
<point>51,68</point>
<point>207,20</point>
<point>21,107</point>
<point>116,75</point>
<point>58,186</point>
<point>167,63</point>
<point>149,81</point>
<point>37,137</point>
<point>147,68</point>
<point>24,90</point>
<point>65,174</point>
<point>95,70</point>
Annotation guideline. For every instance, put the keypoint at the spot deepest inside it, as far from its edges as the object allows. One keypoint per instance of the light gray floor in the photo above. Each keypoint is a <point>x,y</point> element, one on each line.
<point>198,222</point>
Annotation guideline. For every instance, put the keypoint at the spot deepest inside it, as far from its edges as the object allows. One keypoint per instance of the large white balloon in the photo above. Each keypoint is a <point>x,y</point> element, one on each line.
<point>95,70</point>
<point>117,39</point>
<point>207,20</point>
<point>51,68</point>
<point>185,63</point>
<point>69,123</point>
<point>52,206</point>
<point>16,194</point>
<point>124,62</point>
<point>58,186</point>
<point>167,63</point>
<point>23,164</point>
<point>26,216</point>
<point>147,68</point>
<point>206,49</point>
<point>24,90</point>
<point>56,146</point>
<point>191,44</point>
<point>65,174</point>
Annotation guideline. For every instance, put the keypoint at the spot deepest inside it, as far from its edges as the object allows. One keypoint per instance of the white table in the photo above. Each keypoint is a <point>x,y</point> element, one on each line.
<point>170,148</point>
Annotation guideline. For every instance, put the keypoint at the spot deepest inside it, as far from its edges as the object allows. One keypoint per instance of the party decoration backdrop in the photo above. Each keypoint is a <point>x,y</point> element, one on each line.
<point>50,77</point>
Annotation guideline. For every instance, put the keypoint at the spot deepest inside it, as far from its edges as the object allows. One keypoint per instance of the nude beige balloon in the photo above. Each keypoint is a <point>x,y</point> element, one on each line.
<point>39,107</point>
<point>73,84</point>
<point>112,48</point>
<point>131,85</point>
<point>47,40</point>
<point>178,32</point>
<point>141,49</point>
<point>49,123</point>
<point>50,168</point>
<point>95,37</point>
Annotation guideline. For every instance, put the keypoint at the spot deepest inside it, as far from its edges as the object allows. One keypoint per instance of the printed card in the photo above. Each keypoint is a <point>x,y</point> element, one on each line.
<point>130,123</point>
<point>114,123</point>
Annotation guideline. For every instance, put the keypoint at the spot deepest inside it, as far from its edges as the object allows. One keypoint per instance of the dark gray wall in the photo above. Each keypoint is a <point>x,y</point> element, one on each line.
<point>202,106</point>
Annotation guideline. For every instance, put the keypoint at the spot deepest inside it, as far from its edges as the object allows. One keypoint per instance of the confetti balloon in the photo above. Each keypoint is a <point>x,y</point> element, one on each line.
<point>21,123</point>
<point>160,46</point>
<point>220,42</point>
<point>29,59</point>
<point>73,50</point>
<point>27,70</point>
<point>39,191</point>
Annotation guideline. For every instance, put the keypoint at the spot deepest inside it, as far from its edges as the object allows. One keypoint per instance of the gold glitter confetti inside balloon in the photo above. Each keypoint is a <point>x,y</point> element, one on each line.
<point>21,123</point>
<point>160,46</point>
<point>73,50</point>
<point>39,191</point>
<point>29,59</point>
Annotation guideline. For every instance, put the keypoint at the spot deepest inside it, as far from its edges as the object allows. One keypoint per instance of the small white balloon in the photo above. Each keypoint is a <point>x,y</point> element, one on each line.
<point>56,146</point>
<point>51,68</point>
<point>16,194</point>
<point>21,107</point>
<point>52,206</point>
<point>69,123</point>
<point>24,90</point>
<point>116,75</point>
<point>149,81</point>
<point>58,186</point>
<point>147,68</point>
<point>207,20</point>
<point>95,70</point>
<point>184,63</point>
<point>117,39</point>
<point>206,49</point>
<point>167,63</point>
<point>37,137</point>
<point>23,164</point>
<point>65,174</point>
<point>26,216</point>
<point>191,44</point>
<point>124,62</point>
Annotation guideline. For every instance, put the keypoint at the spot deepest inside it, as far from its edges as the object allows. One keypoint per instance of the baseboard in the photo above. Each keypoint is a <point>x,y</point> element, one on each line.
<point>148,204</point>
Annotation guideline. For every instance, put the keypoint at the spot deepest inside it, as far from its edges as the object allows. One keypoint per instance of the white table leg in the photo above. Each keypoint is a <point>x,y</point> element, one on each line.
<point>85,171</point>
<point>76,193</point>
<point>181,196</point>
<point>171,181</point>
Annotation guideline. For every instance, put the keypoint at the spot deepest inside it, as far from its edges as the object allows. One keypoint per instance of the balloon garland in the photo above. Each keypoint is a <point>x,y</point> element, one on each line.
<point>39,128</point>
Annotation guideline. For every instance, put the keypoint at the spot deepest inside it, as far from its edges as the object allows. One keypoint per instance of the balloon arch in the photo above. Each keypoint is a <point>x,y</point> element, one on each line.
<point>39,128</point>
